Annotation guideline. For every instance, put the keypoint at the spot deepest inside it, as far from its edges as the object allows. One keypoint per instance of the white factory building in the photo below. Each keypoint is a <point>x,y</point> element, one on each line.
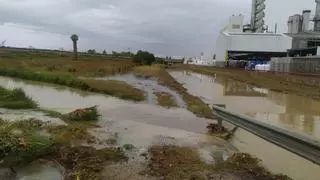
<point>239,41</point>
<point>234,42</point>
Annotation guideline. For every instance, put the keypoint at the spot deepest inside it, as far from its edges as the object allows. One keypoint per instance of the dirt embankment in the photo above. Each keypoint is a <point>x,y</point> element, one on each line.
<point>307,86</point>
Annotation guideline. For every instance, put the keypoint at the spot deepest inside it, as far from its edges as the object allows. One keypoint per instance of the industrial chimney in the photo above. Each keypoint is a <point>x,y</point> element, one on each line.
<point>305,20</point>
<point>317,17</point>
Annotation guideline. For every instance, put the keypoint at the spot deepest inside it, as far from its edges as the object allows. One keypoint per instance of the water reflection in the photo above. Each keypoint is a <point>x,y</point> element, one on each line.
<point>283,110</point>
<point>293,112</point>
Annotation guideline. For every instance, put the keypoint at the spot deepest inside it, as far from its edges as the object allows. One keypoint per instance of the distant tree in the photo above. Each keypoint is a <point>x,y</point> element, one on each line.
<point>104,52</point>
<point>170,58</point>
<point>144,57</point>
<point>92,51</point>
<point>75,39</point>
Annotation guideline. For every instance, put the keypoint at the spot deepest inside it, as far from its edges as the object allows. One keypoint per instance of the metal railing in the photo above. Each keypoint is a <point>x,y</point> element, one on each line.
<point>303,146</point>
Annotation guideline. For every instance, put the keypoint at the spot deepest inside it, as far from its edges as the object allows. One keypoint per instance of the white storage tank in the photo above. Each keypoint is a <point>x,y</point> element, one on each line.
<point>296,23</point>
<point>306,20</point>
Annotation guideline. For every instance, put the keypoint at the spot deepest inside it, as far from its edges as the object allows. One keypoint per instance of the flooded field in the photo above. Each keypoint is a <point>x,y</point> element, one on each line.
<point>295,113</point>
<point>292,112</point>
<point>139,124</point>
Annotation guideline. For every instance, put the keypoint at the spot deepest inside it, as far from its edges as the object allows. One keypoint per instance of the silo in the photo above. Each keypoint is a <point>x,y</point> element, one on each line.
<point>290,24</point>
<point>317,17</point>
<point>305,20</point>
<point>296,23</point>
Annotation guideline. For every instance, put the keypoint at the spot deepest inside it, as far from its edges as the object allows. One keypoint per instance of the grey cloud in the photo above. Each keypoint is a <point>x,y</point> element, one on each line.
<point>168,27</point>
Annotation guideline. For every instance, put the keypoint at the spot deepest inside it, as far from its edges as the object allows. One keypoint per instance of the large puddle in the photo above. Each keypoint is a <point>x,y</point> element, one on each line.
<point>149,86</point>
<point>292,112</point>
<point>139,124</point>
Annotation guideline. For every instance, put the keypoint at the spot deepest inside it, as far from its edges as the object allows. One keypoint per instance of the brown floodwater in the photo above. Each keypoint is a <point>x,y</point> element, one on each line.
<point>288,111</point>
<point>292,112</point>
<point>140,124</point>
<point>149,86</point>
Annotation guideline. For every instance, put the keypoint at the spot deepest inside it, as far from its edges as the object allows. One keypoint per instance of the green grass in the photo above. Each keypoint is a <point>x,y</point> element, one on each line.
<point>115,88</point>
<point>110,87</point>
<point>66,80</point>
<point>166,100</point>
<point>16,149</point>
<point>15,99</point>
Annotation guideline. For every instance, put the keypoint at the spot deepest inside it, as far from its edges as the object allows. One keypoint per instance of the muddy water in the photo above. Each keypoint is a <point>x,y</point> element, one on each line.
<point>283,110</point>
<point>17,115</point>
<point>149,86</point>
<point>139,124</point>
<point>295,113</point>
<point>40,171</point>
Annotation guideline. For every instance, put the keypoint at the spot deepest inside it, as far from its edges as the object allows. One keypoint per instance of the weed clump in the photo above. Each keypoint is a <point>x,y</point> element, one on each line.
<point>248,167</point>
<point>166,100</point>
<point>173,162</point>
<point>85,162</point>
<point>15,99</point>
<point>23,147</point>
<point>86,114</point>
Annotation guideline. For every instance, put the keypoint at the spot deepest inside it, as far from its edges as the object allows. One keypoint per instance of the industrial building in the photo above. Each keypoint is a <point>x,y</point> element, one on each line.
<point>238,41</point>
<point>303,57</point>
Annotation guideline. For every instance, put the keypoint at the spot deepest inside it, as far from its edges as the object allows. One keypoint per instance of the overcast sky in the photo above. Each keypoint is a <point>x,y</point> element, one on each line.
<point>164,27</point>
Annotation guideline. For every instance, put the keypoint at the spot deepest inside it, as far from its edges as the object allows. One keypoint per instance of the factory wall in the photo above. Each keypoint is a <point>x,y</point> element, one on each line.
<point>309,64</point>
<point>250,42</point>
<point>260,43</point>
<point>221,49</point>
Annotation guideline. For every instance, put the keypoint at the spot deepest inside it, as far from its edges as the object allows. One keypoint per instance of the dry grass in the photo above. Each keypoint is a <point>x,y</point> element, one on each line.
<point>147,71</point>
<point>77,68</point>
<point>115,88</point>
<point>166,100</point>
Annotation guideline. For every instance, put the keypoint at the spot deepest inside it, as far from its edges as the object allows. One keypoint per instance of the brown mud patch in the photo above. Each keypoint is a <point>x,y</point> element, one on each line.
<point>173,162</point>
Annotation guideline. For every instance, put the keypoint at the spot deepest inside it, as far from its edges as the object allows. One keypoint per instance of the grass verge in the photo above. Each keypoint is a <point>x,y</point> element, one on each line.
<point>111,87</point>
<point>15,99</point>
<point>195,104</point>
<point>115,88</point>
<point>166,100</point>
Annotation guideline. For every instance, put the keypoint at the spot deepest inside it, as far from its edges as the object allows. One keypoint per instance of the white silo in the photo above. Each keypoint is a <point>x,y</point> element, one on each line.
<point>305,20</point>
<point>317,17</point>
<point>296,23</point>
<point>290,24</point>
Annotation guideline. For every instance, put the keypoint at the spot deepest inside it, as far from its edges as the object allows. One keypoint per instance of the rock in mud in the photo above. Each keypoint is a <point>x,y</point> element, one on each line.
<point>216,129</point>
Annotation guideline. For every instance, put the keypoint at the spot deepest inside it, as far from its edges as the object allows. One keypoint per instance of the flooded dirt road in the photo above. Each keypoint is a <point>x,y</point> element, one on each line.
<point>149,86</point>
<point>292,112</point>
